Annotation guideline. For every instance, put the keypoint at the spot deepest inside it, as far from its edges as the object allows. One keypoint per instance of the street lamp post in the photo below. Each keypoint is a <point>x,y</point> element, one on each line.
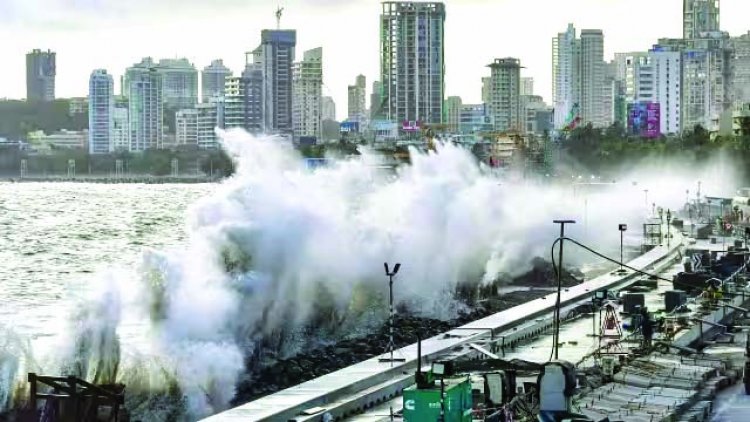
<point>390,274</point>
<point>556,334</point>
<point>645,191</point>
<point>622,228</point>
<point>669,233</point>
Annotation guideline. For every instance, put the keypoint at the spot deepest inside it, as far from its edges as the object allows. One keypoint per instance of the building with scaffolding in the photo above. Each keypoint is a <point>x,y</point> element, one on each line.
<point>412,61</point>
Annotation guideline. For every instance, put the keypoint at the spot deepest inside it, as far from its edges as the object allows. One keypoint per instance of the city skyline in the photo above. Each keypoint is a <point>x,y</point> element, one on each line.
<point>232,27</point>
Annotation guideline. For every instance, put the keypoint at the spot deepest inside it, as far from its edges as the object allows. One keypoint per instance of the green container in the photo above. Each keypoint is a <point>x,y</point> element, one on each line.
<point>424,405</point>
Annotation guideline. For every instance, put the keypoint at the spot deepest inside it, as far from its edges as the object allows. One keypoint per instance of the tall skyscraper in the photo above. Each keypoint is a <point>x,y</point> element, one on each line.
<point>578,79</point>
<point>565,52</point>
<point>146,108</point>
<point>591,77</point>
<point>213,78</point>
<point>699,16</point>
<point>504,107</point>
<point>179,83</point>
<point>276,55</point>
<point>376,101</point>
<point>41,69</point>
<point>357,104</point>
<point>527,86</point>
<point>412,66</point>
<point>328,109</point>
<point>101,112</point>
<point>307,94</point>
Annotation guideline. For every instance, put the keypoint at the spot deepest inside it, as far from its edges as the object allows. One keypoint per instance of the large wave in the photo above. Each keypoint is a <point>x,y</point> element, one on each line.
<point>282,255</point>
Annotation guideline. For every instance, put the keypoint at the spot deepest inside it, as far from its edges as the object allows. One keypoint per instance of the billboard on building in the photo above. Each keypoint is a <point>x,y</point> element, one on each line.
<point>644,119</point>
<point>349,127</point>
<point>411,125</point>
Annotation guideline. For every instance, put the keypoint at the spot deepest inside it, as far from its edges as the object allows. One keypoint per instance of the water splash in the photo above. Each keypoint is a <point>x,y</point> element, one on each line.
<point>280,254</point>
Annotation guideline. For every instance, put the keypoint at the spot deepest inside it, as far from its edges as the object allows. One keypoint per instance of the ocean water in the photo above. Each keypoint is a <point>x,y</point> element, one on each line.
<point>56,237</point>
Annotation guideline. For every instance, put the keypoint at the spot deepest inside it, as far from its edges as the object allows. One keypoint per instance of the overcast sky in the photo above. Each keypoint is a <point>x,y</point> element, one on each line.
<point>113,34</point>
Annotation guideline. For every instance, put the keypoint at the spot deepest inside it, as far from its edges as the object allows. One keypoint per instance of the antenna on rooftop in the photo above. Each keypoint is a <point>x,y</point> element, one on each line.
<point>279,11</point>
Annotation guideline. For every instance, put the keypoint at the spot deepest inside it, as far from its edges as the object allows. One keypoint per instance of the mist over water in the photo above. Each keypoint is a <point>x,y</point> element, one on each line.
<point>289,254</point>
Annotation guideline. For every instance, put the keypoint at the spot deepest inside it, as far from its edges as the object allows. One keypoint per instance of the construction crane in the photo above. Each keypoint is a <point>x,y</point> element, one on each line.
<point>279,11</point>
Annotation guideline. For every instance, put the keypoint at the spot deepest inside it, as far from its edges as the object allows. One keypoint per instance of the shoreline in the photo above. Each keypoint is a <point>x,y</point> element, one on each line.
<point>129,179</point>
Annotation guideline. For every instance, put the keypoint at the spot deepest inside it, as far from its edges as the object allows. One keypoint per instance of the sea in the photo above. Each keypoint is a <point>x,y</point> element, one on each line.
<point>56,238</point>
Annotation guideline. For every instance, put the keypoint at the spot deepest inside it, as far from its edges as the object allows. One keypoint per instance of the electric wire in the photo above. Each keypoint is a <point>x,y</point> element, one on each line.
<point>558,274</point>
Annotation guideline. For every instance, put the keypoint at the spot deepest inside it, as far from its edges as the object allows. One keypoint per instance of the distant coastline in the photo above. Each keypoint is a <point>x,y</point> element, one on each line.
<point>146,179</point>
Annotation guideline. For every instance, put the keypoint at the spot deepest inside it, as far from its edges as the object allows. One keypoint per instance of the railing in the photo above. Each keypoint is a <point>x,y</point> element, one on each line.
<point>73,399</point>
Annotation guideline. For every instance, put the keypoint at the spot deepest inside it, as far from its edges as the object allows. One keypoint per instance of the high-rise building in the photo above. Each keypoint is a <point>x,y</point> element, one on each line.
<point>591,77</point>
<point>655,77</point>
<point>357,104</point>
<point>740,66</point>
<point>243,101</point>
<point>376,101</point>
<point>213,78</point>
<point>307,95</point>
<point>276,55</point>
<point>145,108</point>
<point>699,17</point>
<point>121,126</point>
<point>179,83</point>
<point>234,103</point>
<point>210,115</point>
<point>41,69</point>
<point>327,109</point>
<point>706,84</point>
<point>504,107</point>
<point>252,96</point>
<point>527,86</point>
<point>101,112</point>
<point>578,79</point>
<point>453,114</point>
<point>412,66</point>
<point>486,89</point>
<point>565,87</point>
<point>186,126</point>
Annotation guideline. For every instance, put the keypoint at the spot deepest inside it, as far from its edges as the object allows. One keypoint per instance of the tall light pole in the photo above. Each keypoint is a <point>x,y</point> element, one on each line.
<point>556,335</point>
<point>390,274</point>
<point>669,223</point>
<point>645,191</point>
<point>622,228</point>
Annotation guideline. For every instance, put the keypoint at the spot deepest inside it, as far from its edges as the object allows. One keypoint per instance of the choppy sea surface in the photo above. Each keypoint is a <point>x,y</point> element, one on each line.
<point>56,237</point>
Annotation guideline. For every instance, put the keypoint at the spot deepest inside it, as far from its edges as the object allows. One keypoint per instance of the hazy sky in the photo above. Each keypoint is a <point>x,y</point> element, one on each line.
<point>113,34</point>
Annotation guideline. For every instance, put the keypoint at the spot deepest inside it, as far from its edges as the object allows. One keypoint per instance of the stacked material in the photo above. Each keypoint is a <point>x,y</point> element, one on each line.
<point>656,388</point>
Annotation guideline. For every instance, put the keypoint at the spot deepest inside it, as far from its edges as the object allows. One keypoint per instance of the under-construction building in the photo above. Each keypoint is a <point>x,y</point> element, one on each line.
<point>412,61</point>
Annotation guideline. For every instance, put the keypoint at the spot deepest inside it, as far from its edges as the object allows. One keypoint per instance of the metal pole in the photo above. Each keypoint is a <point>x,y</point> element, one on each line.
<point>621,254</point>
<point>562,224</point>
<point>390,334</point>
